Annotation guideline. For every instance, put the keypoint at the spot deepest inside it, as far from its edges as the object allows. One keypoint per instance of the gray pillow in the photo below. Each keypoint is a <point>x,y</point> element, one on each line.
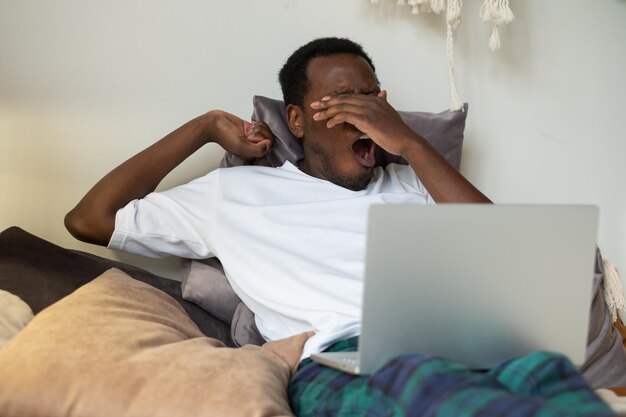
<point>444,131</point>
<point>605,363</point>
<point>204,282</point>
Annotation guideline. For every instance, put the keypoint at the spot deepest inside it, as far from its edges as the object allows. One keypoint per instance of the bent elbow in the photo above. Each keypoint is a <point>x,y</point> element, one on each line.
<point>73,224</point>
<point>89,229</point>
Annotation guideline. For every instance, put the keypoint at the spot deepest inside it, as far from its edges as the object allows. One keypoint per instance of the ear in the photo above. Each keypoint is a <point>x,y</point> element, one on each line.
<point>295,120</point>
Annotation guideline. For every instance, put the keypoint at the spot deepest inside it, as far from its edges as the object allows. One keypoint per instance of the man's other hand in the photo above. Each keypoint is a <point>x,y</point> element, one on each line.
<point>371,114</point>
<point>246,140</point>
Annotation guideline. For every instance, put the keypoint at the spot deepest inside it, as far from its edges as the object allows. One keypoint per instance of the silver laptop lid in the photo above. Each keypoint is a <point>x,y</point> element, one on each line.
<point>477,284</point>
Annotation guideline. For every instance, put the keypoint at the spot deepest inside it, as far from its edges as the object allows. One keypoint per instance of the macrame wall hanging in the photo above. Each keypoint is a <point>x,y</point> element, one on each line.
<point>495,12</point>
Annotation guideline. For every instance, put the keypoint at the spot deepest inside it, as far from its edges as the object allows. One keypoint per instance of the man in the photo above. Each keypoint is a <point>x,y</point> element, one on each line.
<point>291,239</point>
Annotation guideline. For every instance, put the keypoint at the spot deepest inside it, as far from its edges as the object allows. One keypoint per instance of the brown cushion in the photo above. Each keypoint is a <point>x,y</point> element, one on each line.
<point>120,347</point>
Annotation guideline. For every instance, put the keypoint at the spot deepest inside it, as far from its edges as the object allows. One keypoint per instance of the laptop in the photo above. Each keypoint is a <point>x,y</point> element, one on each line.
<point>476,284</point>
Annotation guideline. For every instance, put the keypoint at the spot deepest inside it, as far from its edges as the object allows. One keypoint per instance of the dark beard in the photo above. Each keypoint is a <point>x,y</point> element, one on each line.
<point>351,183</point>
<point>354,184</point>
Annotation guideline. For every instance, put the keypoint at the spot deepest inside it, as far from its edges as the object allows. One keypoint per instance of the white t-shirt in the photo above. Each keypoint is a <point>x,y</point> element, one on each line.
<point>292,245</point>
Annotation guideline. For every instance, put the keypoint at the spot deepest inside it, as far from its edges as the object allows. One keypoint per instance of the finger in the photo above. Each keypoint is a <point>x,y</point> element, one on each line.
<point>247,128</point>
<point>257,150</point>
<point>358,100</point>
<point>255,139</point>
<point>329,111</point>
<point>257,135</point>
<point>252,132</point>
<point>265,131</point>
<point>262,125</point>
<point>261,129</point>
<point>356,119</point>
<point>350,113</point>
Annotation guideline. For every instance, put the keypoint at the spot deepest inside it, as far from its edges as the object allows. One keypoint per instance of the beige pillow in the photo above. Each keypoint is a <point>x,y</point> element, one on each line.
<point>119,347</point>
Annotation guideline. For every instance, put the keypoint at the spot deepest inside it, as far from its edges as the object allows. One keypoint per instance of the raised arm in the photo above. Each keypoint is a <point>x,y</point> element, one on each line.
<point>93,218</point>
<point>375,117</point>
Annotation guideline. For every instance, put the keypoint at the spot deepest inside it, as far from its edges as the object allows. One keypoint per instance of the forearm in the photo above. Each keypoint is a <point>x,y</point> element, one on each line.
<point>93,218</point>
<point>444,183</point>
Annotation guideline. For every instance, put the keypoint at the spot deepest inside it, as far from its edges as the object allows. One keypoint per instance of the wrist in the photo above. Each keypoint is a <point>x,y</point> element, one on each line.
<point>208,124</point>
<point>414,147</point>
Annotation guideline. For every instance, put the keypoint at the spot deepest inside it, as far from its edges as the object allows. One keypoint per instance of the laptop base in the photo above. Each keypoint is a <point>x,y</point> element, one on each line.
<point>344,361</point>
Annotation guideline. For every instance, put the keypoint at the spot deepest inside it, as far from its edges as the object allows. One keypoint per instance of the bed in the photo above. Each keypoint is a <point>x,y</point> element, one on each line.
<point>110,339</point>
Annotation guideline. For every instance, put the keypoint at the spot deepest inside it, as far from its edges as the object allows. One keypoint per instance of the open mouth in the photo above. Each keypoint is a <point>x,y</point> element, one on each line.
<point>365,151</point>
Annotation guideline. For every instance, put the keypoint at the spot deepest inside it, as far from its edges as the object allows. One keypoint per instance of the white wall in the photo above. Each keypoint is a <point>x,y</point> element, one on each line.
<point>86,84</point>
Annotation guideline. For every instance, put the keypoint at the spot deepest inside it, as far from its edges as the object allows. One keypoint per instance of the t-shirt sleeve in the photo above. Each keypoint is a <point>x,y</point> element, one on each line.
<point>180,221</point>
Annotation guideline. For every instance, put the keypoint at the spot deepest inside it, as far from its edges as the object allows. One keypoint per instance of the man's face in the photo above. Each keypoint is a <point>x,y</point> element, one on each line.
<point>331,153</point>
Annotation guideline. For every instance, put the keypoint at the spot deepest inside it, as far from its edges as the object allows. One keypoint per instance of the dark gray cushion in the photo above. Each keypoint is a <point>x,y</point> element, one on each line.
<point>605,364</point>
<point>41,273</point>
<point>444,131</point>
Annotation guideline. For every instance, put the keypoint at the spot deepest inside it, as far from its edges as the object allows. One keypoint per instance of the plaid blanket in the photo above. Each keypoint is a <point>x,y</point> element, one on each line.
<point>541,384</point>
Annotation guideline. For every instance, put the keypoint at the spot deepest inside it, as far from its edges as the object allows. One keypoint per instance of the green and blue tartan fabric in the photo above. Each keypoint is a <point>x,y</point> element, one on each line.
<point>541,384</point>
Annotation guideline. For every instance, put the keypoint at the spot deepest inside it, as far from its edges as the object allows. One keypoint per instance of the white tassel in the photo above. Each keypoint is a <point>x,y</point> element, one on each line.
<point>419,6</point>
<point>494,39</point>
<point>453,20</point>
<point>453,14</point>
<point>496,12</point>
<point>613,290</point>
<point>437,6</point>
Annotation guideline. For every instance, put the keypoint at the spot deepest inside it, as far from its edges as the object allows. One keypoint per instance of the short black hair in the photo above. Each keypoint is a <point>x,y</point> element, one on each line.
<point>292,76</point>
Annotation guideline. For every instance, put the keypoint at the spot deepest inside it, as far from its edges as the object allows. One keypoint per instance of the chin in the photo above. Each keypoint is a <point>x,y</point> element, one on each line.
<point>354,183</point>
